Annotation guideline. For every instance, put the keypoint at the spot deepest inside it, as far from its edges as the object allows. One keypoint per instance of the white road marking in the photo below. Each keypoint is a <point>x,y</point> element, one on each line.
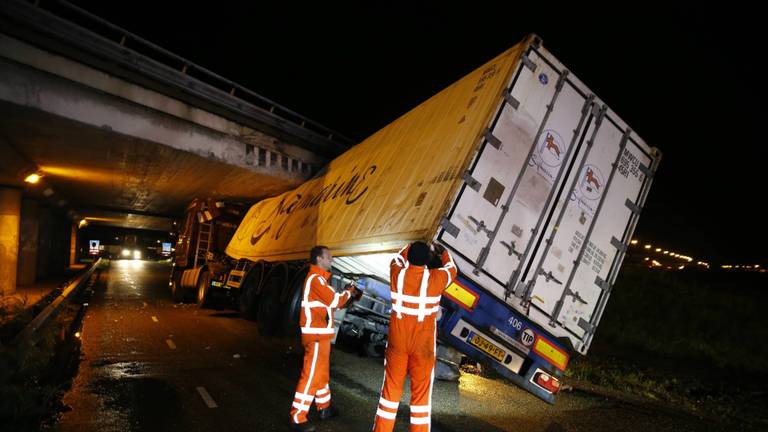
<point>170,343</point>
<point>206,397</point>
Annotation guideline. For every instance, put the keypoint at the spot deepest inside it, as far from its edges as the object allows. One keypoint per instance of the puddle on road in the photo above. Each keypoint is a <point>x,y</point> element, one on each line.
<point>134,402</point>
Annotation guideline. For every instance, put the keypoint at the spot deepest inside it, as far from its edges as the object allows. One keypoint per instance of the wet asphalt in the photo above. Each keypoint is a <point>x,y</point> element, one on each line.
<point>148,364</point>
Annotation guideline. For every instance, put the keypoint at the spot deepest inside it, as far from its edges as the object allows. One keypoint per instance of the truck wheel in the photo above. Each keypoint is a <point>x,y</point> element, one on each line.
<point>177,292</point>
<point>293,305</point>
<point>249,300</point>
<point>204,290</point>
<point>270,308</point>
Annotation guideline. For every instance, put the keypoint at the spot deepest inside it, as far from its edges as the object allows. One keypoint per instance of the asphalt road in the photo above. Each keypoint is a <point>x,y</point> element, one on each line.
<point>148,364</point>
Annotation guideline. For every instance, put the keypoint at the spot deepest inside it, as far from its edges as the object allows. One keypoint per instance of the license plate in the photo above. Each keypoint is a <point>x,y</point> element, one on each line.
<point>487,347</point>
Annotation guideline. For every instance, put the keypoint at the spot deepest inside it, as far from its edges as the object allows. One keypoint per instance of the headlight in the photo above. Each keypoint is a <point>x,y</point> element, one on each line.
<point>126,252</point>
<point>136,254</point>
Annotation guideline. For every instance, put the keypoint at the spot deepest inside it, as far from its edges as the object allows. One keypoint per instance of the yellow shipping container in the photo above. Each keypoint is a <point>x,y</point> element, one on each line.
<point>390,189</point>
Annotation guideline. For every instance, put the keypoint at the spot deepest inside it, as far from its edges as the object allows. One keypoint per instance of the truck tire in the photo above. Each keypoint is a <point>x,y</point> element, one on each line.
<point>204,290</point>
<point>249,299</point>
<point>292,308</point>
<point>177,293</point>
<point>270,309</point>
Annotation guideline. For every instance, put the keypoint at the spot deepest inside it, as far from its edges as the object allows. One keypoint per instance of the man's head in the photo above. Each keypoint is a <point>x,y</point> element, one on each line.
<point>321,257</point>
<point>418,253</point>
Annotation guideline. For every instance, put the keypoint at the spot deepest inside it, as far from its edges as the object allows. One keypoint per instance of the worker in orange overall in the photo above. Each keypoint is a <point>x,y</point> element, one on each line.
<point>316,321</point>
<point>411,345</point>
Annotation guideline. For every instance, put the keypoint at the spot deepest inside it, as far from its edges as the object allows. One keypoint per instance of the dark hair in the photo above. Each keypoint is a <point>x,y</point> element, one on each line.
<point>418,253</point>
<point>316,251</point>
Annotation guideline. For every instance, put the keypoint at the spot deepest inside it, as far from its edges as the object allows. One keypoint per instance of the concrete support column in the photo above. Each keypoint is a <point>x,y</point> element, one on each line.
<point>73,245</point>
<point>10,212</point>
<point>28,242</point>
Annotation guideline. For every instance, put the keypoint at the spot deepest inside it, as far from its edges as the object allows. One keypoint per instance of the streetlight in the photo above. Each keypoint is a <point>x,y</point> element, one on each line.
<point>33,178</point>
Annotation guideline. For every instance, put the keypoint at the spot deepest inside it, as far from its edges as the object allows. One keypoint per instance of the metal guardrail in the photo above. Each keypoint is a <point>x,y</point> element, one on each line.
<point>52,309</point>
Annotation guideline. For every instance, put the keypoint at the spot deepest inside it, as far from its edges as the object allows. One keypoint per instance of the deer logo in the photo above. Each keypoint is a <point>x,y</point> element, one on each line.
<point>591,179</point>
<point>551,145</point>
<point>550,150</point>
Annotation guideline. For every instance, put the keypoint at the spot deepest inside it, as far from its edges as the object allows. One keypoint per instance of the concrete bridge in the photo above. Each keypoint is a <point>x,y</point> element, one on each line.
<point>119,131</point>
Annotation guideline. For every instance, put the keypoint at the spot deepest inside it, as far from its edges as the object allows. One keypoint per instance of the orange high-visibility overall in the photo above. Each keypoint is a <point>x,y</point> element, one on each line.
<point>316,321</point>
<point>416,293</point>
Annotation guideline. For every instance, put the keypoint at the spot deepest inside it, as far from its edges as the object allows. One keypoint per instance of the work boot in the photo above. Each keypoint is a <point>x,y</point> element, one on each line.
<point>326,413</point>
<point>307,426</point>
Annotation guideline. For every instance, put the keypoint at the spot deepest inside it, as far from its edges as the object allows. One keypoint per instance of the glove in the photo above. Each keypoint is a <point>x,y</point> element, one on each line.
<point>438,248</point>
<point>357,293</point>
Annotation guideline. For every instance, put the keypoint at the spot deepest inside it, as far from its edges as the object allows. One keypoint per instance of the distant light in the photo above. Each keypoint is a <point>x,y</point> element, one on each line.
<point>126,252</point>
<point>647,246</point>
<point>158,241</point>
<point>666,252</point>
<point>48,192</point>
<point>646,259</point>
<point>77,335</point>
<point>117,238</point>
<point>82,223</point>
<point>681,267</point>
<point>634,242</point>
<point>656,263</point>
<point>33,178</point>
<point>757,266</point>
<point>689,259</point>
<point>658,249</point>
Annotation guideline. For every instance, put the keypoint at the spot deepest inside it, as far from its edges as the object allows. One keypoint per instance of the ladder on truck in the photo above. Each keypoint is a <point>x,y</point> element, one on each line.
<point>204,237</point>
<point>236,276</point>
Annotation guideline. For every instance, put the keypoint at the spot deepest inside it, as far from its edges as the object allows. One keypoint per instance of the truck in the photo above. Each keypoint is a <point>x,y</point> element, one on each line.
<point>201,271</point>
<point>518,169</point>
<point>200,265</point>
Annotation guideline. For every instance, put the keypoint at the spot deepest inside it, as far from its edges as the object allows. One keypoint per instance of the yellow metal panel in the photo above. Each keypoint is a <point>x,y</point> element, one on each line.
<point>391,188</point>
<point>551,352</point>
<point>461,295</point>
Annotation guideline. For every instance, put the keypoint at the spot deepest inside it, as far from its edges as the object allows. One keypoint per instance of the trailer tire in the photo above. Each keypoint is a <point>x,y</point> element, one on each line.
<point>248,301</point>
<point>204,290</point>
<point>270,307</point>
<point>292,309</point>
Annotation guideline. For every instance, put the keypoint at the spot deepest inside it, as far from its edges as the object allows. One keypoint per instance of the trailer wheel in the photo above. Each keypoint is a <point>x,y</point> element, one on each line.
<point>204,290</point>
<point>270,308</point>
<point>293,304</point>
<point>249,297</point>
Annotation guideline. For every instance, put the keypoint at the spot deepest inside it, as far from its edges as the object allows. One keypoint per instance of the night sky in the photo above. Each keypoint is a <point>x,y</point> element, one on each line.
<point>686,79</point>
